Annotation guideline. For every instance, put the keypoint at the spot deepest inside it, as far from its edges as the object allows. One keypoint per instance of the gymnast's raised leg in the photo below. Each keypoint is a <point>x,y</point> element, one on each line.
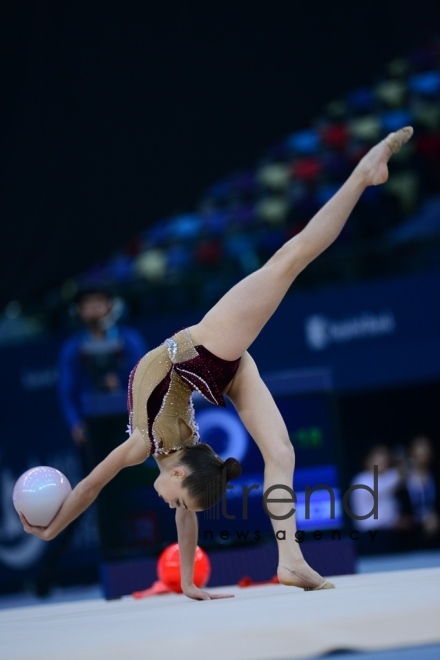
<point>231,326</point>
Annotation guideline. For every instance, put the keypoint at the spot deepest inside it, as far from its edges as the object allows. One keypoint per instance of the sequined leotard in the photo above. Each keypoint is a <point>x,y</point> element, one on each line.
<point>160,389</point>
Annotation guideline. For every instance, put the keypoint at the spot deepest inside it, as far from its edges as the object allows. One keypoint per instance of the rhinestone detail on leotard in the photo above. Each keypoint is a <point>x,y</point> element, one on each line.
<point>160,391</point>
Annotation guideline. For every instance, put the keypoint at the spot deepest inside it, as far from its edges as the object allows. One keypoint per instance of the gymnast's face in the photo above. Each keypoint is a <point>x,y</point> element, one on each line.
<point>168,486</point>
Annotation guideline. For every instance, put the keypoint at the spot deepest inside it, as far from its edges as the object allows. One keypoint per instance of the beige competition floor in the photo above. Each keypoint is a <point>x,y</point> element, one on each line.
<point>383,610</point>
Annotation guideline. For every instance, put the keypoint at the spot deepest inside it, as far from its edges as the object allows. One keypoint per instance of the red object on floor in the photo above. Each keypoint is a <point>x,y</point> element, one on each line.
<point>247,582</point>
<point>156,588</point>
<point>168,568</point>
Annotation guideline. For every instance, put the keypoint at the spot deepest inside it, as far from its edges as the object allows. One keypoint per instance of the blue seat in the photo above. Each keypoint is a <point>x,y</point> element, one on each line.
<point>304,142</point>
<point>392,120</point>
<point>185,226</point>
<point>427,83</point>
<point>361,99</point>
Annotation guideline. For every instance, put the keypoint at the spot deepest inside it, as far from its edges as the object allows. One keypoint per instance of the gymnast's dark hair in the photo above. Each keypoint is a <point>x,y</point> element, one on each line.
<point>209,474</point>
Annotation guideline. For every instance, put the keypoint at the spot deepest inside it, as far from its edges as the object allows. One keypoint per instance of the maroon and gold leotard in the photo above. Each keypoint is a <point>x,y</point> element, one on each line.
<point>161,385</point>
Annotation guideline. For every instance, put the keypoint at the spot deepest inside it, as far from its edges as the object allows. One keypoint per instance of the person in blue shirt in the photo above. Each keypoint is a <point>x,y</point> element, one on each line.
<point>97,359</point>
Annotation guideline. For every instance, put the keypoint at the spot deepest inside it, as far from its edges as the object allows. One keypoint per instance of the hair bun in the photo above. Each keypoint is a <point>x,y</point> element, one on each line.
<point>232,468</point>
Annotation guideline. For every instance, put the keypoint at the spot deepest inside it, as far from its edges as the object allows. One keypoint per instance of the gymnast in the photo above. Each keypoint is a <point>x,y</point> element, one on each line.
<point>212,357</point>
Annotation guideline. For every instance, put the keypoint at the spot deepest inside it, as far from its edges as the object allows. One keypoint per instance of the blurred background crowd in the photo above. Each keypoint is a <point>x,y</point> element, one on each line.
<point>189,260</point>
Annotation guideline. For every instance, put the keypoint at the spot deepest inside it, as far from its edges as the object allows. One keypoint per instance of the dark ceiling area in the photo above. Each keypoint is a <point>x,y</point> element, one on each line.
<point>117,114</point>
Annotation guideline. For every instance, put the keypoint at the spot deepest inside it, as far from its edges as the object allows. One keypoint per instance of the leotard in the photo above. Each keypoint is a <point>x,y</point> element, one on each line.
<point>160,389</point>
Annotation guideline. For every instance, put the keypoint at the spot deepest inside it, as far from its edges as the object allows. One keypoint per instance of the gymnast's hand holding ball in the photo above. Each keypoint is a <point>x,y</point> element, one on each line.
<point>38,496</point>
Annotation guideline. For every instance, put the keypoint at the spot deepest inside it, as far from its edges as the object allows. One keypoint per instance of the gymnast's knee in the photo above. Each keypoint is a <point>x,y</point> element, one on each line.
<point>283,456</point>
<point>289,259</point>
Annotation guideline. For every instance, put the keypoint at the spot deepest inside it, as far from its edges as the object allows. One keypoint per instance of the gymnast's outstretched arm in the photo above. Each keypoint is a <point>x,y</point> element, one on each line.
<point>131,452</point>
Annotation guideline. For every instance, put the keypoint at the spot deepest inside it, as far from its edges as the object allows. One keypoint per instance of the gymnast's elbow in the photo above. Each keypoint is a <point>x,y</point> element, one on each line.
<point>88,489</point>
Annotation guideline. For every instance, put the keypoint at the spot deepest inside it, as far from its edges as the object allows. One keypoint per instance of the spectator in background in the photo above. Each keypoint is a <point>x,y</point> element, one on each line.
<point>97,359</point>
<point>423,491</point>
<point>389,531</point>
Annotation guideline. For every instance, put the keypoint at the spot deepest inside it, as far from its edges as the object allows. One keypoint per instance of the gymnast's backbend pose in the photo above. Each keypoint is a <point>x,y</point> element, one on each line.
<point>212,357</point>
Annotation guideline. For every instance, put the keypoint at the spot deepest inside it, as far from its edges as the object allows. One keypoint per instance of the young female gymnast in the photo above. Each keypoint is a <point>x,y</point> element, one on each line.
<point>212,357</point>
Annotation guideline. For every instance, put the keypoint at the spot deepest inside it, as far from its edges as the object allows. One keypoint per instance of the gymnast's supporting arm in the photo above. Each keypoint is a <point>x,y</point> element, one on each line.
<point>132,452</point>
<point>187,530</point>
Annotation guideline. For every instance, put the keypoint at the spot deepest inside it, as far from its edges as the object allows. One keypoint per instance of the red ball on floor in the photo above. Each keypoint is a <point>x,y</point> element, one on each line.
<point>168,568</point>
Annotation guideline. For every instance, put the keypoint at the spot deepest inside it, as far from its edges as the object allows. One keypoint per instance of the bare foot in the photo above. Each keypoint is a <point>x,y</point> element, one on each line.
<point>301,575</point>
<point>373,165</point>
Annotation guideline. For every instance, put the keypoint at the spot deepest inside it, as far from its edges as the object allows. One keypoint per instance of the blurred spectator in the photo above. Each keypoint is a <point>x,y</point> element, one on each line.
<point>423,492</point>
<point>389,531</point>
<point>96,359</point>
